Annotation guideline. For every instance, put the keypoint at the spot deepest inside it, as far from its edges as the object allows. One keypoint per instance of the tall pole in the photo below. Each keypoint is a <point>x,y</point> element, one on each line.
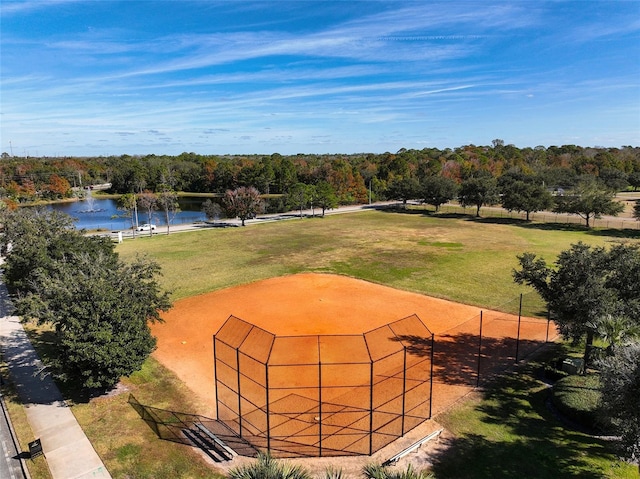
<point>266,385</point>
<point>371,409</point>
<point>404,386</point>
<point>431,378</point>
<point>479,351</point>
<point>518,335</point>
<point>239,392</point>
<point>215,379</point>
<point>319,408</point>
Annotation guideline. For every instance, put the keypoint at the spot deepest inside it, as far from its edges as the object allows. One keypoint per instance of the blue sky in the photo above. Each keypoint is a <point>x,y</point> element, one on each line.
<point>109,77</point>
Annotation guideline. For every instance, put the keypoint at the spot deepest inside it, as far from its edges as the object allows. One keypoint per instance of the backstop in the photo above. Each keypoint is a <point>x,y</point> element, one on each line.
<point>323,395</point>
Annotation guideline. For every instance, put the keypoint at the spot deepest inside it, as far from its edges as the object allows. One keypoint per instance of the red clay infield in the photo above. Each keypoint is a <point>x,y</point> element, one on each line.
<point>302,304</point>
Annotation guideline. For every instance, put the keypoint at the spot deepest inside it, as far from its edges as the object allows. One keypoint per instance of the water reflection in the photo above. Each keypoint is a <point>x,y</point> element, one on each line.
<point>98,213</point>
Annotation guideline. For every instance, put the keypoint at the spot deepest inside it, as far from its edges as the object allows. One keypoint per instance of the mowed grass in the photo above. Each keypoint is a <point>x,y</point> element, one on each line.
<point>457,258</point>
<point>461,259</point>
<point>507,431</point>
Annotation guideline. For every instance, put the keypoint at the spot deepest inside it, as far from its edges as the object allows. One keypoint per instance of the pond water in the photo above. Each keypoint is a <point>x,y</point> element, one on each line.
<point>94,213</point>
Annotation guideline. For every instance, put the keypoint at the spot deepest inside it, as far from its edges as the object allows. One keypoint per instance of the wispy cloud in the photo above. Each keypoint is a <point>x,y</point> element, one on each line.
<point>223,74</point>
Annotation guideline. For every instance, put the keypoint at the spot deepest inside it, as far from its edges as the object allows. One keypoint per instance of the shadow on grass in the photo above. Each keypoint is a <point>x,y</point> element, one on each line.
<point>517,436</point>
<point>625,233</point>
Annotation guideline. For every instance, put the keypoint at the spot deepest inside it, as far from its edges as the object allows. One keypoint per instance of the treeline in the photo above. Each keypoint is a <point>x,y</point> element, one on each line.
<point>355,178</point>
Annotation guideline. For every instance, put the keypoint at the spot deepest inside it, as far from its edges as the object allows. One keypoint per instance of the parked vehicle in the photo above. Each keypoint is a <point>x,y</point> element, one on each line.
<point>147,227</point>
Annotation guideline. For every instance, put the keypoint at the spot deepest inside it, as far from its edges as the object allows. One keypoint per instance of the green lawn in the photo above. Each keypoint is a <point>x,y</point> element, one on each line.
<point>461,259</point>
<point>455,257</point>
<point>508,432</point>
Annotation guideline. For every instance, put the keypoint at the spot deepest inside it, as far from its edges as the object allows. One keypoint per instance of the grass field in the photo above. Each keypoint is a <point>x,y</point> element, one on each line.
<point>455,257</point>
<point>507,431</point>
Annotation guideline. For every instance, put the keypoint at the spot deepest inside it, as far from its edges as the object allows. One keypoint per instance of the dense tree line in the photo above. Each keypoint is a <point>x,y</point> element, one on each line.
<point>352,176</point>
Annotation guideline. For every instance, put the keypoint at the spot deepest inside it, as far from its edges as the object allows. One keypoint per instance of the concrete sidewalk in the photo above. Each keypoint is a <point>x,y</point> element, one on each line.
<point>69,453</point>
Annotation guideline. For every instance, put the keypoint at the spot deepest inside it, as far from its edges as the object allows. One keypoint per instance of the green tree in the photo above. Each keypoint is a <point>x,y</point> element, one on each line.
<point>524,193</point>
<point>100,309</point>
<point>36,238</point>
<point>479,190</point>
<point>589,200</point>
<point>634,180</point>
<point>438,190</point>
<point>325,196</point>
<point>620,378</point>
<point>212,210</point>
<point>167,201</point>
<point>614,179</point>
<point>615,331</point>
<point>404,189</point>
<point>98,305</point>
<point>148,202</point>
<point>129,204</point>
<point>299,196</point>
<point>584,287</point>
<point>243,202</point>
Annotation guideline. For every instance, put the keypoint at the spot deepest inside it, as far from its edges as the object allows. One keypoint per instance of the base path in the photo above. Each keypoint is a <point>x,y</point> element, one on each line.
<point>69,453</point>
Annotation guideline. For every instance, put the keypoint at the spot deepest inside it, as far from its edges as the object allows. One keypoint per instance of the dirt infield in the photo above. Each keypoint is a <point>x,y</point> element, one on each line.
<point>316,304</point>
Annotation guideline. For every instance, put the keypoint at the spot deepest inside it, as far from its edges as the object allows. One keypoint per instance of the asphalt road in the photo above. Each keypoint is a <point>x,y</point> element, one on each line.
<point>10,464</point>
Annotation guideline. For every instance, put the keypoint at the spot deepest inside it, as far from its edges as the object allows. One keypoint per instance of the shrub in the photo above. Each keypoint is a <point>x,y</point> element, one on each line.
<point>578,398</point>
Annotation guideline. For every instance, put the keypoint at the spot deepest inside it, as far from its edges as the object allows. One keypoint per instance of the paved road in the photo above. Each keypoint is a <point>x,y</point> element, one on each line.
<point>11,467</point>
<point>605,221</point>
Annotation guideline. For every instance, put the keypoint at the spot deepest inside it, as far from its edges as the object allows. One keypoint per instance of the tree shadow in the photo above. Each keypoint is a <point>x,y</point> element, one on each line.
<point>626,233</point>
<point>185,428</point>
<point>399,209</point>
<point>45,342</point>
<point>615,233</point>
<point>462,359</point>
<point>542,447</point>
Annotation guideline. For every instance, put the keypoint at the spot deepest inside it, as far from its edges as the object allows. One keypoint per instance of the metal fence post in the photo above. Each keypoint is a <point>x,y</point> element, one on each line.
<point>239,395</point>
<point>371,409</point>
<point>479,351</point>
<point>266,383</point>
<point>431,378</point>
<point>215,379</point>
<point>319,407</point>
<point>518,335</point>
<point>546,339</point>
<point>404,386</point>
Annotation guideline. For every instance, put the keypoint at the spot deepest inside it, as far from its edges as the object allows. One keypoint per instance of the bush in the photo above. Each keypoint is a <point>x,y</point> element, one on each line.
<point>578,398</point>
<point>552,373</point>
<point>552,369</point>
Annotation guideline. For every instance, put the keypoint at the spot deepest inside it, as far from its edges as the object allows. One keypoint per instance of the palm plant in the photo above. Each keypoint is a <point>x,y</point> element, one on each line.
<point>266,467</point>
<point>377,471</point>
<point>615,330</point>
